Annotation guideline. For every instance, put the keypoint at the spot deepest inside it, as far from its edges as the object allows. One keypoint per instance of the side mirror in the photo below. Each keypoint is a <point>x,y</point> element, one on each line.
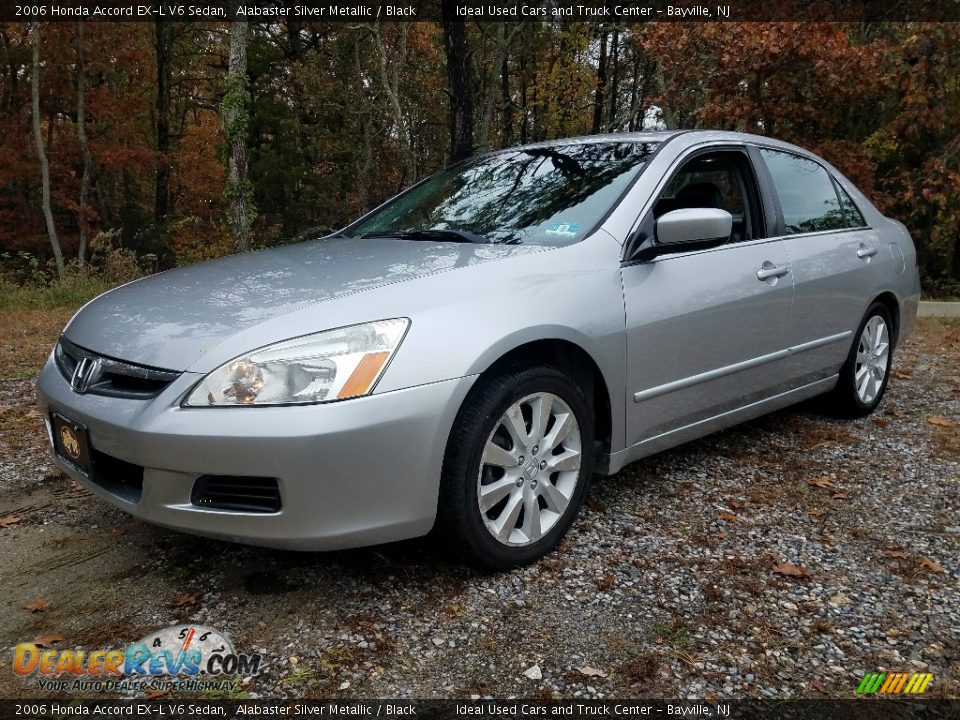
<point>691,225</point>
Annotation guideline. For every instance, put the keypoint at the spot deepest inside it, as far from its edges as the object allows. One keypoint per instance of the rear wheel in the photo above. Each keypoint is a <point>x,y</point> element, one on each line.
<point>864,375</point>
<point>517,467</point>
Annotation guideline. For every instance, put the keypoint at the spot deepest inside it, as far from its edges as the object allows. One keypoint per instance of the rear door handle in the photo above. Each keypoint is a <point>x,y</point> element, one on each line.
<point>772,271</point>
<point>864,252</point>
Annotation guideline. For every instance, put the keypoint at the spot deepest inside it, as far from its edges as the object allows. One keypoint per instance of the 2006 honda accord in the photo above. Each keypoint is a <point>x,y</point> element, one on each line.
<point>467,354</point>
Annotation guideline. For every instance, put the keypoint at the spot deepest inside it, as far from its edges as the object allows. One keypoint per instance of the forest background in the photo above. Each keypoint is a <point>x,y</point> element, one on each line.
<point>127,148</point>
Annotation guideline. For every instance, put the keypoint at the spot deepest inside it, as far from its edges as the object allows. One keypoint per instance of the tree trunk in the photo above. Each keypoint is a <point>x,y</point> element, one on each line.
<point>525,117</point>
<point>363,165</point>
<point>458,80</point>
<point>390,80</point>
<point>634,86</point>
<point>615,80</point>
<point>600,90</point>
<point>164,50</point>
<point>236,118</point>
<point>507,136</point>
<point>84,148</point>
<point>489,87</point>
<point>42,152</point>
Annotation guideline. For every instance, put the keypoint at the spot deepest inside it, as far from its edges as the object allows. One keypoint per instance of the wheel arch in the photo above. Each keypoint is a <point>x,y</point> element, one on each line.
<point>572,359</point>
<point>892,304</point>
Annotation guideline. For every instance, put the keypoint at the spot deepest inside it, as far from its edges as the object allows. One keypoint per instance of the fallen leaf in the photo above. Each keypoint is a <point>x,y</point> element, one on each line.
<point>737,505</point>
<point>591,671</point>
<point>533,672</point>
<point>824,481</point>
<point>932,566</point>
<point>48,640</point>
<point>881,422</point>
<point>894,553</point>
<point>940,421</point>
<point>185,599</point>
<point>727,517</point>
<point>840,496</point>
<point>902,374</point>
<point>783,568</point>
<point>38,605</point>
<point>816,512</point>
<point>120,530</point>
<point>153,693</point>
<point>8,520</point>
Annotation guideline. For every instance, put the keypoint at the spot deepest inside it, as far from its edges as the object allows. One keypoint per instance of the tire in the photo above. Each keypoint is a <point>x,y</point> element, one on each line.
<point>864,375</point>
<point>522,491</point>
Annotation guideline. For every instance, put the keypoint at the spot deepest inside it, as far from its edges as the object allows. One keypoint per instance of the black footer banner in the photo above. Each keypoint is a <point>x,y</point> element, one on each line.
<point>529,709</point>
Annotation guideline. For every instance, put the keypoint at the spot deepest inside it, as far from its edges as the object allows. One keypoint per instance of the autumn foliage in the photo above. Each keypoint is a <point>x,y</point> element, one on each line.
<point>341,116</point>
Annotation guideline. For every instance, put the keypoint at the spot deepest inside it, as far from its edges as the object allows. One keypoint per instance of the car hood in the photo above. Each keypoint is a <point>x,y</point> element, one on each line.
<point>168,320</point>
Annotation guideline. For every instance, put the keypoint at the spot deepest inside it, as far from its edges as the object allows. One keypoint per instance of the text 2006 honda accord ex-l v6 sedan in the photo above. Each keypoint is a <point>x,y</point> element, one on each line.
<point>467,354</point>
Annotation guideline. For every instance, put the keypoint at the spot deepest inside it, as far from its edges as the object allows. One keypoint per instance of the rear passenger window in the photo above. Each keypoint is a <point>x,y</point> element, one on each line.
<point>807,195</point>
<point>851,213</point>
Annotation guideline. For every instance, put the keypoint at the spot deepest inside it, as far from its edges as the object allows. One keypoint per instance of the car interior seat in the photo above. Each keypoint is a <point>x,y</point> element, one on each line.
<point>700,195</point>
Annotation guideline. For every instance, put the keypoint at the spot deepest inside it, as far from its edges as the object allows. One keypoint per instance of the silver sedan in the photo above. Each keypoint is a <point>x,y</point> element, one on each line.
<point>465,356</point>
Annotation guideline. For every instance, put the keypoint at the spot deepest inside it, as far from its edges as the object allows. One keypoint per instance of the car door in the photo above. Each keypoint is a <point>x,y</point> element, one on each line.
<point>707,327</point>
<point>834,257</point>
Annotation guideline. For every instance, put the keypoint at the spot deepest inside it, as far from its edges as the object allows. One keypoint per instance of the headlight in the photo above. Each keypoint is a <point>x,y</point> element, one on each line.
<point>332,365</point>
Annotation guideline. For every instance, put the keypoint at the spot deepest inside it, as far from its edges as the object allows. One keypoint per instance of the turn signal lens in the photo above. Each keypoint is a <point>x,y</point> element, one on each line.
<point>361,379</point>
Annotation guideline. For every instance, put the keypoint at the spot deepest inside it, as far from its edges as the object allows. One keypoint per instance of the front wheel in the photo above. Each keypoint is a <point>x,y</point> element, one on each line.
<point>517,467</point>
<point>864,375</point>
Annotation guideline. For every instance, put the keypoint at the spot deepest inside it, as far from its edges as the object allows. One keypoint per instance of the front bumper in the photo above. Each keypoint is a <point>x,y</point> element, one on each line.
<point>359,472</point>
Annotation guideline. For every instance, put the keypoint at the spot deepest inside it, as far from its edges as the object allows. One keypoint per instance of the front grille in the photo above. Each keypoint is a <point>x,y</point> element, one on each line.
<point>118,477</point>
<point>111,377</point>
<point>241,494</point>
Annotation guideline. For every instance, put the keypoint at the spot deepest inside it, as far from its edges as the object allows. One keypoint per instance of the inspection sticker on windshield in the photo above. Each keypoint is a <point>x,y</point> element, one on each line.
<point>567,229</point>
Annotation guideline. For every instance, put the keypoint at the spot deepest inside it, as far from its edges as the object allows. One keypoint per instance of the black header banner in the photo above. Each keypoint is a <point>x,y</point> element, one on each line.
<point>368,11</point>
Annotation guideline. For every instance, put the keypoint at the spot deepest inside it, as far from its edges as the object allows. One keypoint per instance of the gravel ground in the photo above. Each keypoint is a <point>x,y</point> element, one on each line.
<point>718,570</point>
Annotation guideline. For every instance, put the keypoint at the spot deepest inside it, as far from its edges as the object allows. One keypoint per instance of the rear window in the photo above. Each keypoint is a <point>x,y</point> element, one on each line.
<point>851,213</point>
<point>807,194</point>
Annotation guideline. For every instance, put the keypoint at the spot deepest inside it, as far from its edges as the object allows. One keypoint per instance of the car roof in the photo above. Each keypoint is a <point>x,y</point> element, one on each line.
<point>689,137</point>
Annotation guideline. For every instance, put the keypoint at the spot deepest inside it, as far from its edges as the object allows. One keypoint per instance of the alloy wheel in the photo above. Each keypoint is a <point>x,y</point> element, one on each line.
<point>873,355</point>
<point>529,469</point>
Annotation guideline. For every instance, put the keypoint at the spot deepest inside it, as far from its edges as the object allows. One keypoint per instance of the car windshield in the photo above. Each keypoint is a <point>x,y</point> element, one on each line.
<point>541,195</point>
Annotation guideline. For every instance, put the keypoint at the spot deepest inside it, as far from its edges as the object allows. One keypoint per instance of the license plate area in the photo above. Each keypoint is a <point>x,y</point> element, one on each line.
<point>71,443</point>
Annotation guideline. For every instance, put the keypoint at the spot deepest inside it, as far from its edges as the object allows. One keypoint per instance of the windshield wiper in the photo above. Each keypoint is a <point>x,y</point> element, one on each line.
<point>439,234</point>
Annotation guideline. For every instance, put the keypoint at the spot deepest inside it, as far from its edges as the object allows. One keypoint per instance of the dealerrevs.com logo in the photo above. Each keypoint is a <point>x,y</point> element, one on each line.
<point>180,657</point>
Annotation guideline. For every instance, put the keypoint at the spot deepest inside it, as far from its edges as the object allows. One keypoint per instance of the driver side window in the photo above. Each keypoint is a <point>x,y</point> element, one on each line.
<point>718,180</point>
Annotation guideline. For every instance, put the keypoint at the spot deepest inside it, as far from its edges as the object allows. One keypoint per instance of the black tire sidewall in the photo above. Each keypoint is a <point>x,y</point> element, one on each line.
<point>459,512</point>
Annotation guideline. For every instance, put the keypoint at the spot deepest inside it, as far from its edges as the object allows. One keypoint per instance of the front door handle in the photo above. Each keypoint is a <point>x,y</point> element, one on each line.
<point>864,252</point>
<point>770,270</point>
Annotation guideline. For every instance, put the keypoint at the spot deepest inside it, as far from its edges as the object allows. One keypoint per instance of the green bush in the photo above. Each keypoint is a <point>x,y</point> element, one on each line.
<point>24,284</point>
